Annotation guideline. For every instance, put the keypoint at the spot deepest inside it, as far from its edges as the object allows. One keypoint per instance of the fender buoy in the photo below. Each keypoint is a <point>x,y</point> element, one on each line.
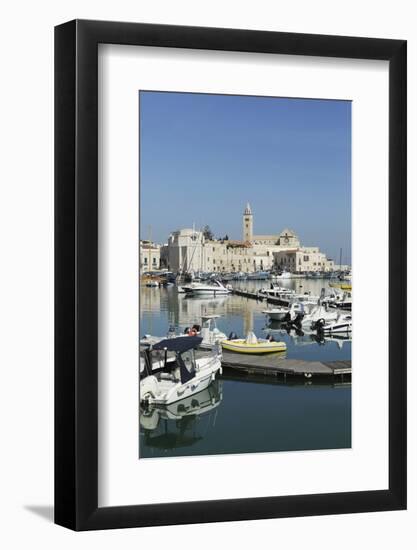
<point>148,394</point>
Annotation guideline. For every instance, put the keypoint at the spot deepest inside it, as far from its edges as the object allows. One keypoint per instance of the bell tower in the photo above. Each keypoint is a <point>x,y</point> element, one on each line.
<point>248,224</point>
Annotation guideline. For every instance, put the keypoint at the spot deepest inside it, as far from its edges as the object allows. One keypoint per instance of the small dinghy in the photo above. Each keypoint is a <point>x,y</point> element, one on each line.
<point>253,345</point>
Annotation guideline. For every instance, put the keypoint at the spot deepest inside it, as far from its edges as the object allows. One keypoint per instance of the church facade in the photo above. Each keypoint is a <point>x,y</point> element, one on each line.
<point>286,239</point>
<point>188,250</point>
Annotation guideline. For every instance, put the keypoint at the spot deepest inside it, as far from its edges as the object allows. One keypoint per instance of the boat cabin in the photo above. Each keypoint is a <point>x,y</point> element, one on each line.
<point>172,359</point>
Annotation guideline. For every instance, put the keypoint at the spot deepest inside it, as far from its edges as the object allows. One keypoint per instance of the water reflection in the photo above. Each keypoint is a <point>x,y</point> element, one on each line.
<point>180,424</point>
<point>162,308</point>
<point>239,414</point>
<point>300,338</point>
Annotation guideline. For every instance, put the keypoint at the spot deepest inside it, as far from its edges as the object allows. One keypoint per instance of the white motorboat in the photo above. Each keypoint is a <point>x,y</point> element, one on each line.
<point>216,288</point>
<point>342,325</point>
<point>303,314</point>
<point>318,316</point>
<point>339,299</point>
<point>284,275</point>
<point>276,291</point>
<point>295,309</point>
<point>284,313</point>
<point>277,313</point>
<point>305,298</point>
<point>179,378</point>
<point>209,332</point>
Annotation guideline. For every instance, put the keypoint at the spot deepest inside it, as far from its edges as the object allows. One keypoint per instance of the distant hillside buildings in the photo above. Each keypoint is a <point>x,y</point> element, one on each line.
<point>188,250</point>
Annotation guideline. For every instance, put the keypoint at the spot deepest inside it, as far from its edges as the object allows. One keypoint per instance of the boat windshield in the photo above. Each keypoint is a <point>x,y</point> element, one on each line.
<point>186,362</point>
<point>189,359</point>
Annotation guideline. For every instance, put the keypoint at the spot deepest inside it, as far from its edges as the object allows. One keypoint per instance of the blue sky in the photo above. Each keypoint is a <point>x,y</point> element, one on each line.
<point>203,157</point>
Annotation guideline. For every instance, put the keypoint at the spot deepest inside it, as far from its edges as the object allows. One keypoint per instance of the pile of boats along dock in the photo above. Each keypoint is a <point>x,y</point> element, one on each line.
<point>173,367</point>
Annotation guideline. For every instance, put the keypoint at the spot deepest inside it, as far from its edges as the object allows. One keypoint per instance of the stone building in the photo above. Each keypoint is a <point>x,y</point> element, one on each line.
<point>286,239</point>
<point>149,256</point>
<point>188,250</point>
<point>302,259</point>
<point>247,224</point>
<point>185,251</point>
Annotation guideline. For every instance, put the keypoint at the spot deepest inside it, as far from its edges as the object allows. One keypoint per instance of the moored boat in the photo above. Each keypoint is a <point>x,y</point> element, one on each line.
<point>276,291</point>
<point>215,288</point>
<point>342,325</point>
<point>252,345</point>
<point>180,374</point>
<point>283,275</point>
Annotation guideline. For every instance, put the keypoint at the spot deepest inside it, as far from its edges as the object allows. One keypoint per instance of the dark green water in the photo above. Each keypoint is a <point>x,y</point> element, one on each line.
<point>245,414</point>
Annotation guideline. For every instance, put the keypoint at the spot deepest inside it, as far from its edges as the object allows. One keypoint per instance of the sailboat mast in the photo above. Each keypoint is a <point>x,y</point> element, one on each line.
<point>150,251</point>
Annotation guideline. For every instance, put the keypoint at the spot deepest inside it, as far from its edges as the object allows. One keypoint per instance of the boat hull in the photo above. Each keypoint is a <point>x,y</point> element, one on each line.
<point>207,292</point>
<point>240,346</point>
<point>277,316</point>
<point>342,328</point>
<point>150,394</point>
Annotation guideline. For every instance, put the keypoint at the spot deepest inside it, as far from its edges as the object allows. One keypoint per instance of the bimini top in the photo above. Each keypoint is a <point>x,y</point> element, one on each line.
<point>180,344</point>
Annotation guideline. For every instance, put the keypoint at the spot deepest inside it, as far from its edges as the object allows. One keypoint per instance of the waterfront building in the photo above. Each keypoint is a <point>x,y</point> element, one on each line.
<point>286,239</point>
<point>188,250</point>
<point>149,256</point>
<point>185,251</point>
<point>302,259</point>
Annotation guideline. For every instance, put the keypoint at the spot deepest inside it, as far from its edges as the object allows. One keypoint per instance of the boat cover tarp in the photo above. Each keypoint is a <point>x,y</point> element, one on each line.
<point>186,375</point>
<point>181,344</point>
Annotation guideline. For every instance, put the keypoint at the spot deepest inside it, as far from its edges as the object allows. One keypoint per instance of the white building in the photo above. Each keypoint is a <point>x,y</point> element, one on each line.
<point>149,256</point>
<point>302,259</point>
<point>287,238</point>
<point>185,251</point>
<point>188,250</point>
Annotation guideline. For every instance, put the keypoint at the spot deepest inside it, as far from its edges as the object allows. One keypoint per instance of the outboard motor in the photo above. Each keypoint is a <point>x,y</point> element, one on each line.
<point>318,325</point>
<point>232,336</point>
<point>298,320</point>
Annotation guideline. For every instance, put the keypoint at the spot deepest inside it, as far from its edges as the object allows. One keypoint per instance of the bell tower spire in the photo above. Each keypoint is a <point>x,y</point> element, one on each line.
<point>247,224</point>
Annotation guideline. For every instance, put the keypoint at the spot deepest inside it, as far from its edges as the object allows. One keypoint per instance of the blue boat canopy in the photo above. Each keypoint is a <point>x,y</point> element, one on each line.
<point>181,344</point>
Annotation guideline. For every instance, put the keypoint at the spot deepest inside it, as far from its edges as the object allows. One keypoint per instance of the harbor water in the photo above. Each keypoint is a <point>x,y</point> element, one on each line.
<point>240,414</point>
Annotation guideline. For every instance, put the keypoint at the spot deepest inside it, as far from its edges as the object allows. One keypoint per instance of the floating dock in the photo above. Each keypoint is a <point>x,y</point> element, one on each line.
<point>262,297</point>
<point>274,365</point>
<point>271,365</point>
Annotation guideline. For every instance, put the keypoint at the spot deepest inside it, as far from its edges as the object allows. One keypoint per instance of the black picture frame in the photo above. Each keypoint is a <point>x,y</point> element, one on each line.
<point>76,272</point>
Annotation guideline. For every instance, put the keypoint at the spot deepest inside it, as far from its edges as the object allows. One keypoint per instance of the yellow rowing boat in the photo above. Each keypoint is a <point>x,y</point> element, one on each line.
<point>252,345</point>
<point>342,286</point>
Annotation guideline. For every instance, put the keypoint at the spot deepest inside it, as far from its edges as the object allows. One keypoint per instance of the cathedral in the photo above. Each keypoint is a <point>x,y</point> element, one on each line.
<point>286,238</point>
<point>189,250</point>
